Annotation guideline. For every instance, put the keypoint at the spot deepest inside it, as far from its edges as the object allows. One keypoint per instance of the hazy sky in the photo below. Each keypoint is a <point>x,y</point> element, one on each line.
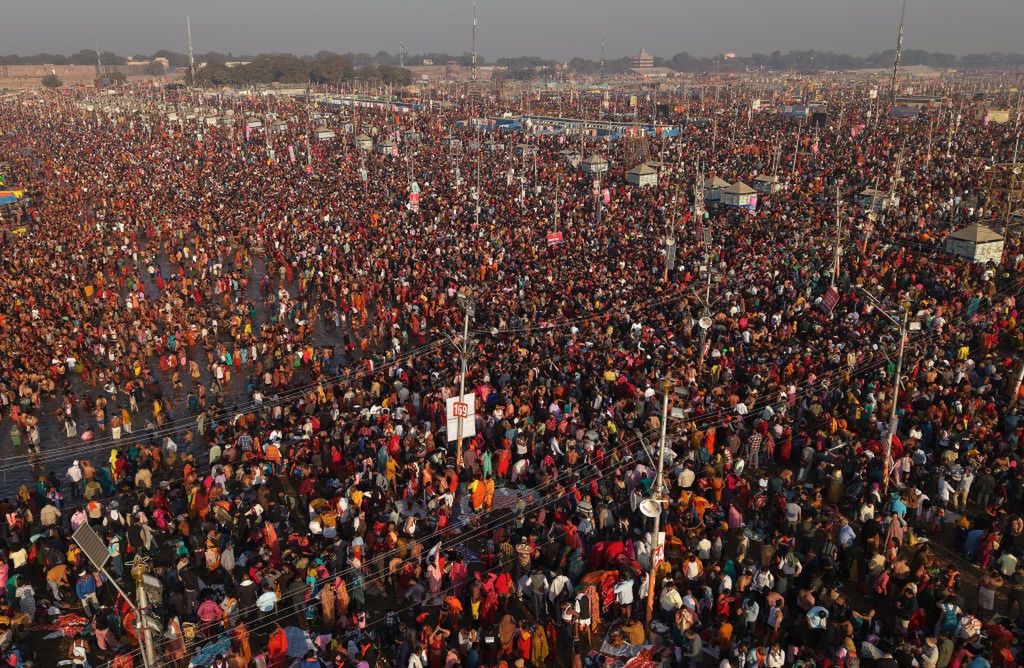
<point>546,28</point>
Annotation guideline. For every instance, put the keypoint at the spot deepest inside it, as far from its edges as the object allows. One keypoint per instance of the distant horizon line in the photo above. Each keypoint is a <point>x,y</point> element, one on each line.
<point>725,55</point>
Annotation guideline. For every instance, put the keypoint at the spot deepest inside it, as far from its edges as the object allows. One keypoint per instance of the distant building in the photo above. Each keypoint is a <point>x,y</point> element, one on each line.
<point>31,76</point>
<point>427,62</point>
<point>141,68</point>
<point>648,73</point>
<point>643,59</point>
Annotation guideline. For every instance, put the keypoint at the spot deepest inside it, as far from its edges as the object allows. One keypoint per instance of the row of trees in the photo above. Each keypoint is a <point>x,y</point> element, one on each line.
<point>286,68</point>
<point>83,57</point>
<point>808,61</point>
<point>334,67</point>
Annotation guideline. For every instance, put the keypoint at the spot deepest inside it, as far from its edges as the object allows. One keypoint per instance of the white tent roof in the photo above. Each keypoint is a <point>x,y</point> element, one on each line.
<point>976,233</point>
<point>739,188</point>
<point>643,169</point>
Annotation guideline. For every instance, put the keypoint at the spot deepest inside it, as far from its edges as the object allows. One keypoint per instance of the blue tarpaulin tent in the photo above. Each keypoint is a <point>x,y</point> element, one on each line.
<point>298,641</point>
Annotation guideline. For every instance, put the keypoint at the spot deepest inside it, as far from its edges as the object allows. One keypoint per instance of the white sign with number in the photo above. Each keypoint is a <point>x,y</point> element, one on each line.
<point>658,555</point>
<point>460,410</point>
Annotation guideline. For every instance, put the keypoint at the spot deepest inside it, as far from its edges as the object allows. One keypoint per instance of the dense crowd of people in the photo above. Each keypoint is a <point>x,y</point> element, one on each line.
<point>228,350</point>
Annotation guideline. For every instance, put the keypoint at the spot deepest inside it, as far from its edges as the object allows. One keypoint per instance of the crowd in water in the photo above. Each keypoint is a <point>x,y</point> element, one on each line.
<point>229,349</point>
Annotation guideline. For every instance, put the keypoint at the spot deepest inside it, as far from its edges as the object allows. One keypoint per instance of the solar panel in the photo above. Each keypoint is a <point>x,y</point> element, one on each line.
<point>93,546</point>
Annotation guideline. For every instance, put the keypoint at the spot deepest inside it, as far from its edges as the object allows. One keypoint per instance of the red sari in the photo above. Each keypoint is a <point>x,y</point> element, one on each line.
<point>504,461</point>
<point>277,649</point>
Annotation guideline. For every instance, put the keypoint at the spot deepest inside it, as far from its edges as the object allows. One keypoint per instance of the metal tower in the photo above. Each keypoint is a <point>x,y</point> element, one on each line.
<point>474,43</point>
<point>191,56</point>
<point>896,60</point>
<point>602,58</point>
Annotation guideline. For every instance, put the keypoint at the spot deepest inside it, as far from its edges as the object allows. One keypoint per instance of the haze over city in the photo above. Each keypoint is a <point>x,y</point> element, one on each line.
<point>561,29</point>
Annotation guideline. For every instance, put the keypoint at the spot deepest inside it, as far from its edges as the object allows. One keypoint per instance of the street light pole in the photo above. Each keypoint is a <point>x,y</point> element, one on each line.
<point>468,306</point>
<point>656,545</point>
<point>139,570</point>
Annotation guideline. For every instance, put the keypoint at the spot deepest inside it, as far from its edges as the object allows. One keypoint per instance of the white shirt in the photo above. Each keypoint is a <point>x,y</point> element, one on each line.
<point>671,600</point>
<point>624,593</point>
<point>266,601</point>
<point>557,586</point>
<point>726,582</point>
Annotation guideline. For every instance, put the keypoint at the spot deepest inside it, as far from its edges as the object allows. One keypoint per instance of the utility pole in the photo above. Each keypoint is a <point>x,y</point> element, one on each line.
<point>954,127</point>
<point>891,198</point>
<point>838,249</point>
<point>191,56</point>
<point>309,126</point>
<point>796,146</point>
<point>872,216</point>
<point>670,241</point>
<point>476,193</point>
<point>139,570</point>
<point>1014,184</point>
<point>887,464</point>
<point>896,59</point>
<point>928,156</point>
<point>558,188</point>
<point>474,44</point>
<point>467,305</point>
<point>698,214</point>
<point>896,381</point>
<point>1016,131</point>
<point>601,70</point>
<point>656,545</point>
